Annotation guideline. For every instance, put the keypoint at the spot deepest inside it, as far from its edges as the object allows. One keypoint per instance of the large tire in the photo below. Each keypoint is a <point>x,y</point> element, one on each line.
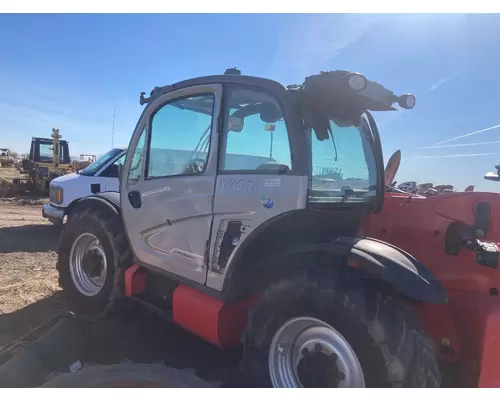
<point>107,227</point>
<point>129,375</point>
<point>384,333</point>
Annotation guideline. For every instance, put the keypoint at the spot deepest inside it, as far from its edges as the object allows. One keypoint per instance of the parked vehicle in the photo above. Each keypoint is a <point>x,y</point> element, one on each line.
<point>210,242</point>
<point>100,176</point>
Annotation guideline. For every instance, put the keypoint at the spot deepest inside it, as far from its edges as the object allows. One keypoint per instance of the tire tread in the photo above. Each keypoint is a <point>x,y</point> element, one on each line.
<point>394,327</point>
<point>112,225</point>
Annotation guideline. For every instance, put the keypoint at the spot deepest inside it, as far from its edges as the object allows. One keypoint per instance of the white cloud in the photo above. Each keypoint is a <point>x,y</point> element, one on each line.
<point>465,135</point>
<point>307,48</point>
<point>442,82</point>
<point>459,145</point>
<point>460,155</point>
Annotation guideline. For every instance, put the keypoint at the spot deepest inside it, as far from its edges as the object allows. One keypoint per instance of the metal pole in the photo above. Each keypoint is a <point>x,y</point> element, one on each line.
<point>55,147</point>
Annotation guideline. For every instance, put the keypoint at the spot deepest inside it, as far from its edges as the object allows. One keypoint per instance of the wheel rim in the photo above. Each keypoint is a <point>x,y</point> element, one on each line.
<point>307,352</point>
<point>88,265</point>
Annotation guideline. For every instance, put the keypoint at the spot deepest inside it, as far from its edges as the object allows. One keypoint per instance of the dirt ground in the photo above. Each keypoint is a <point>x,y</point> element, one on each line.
<point>27,254</point>
<point>29,294</point>
<point>7,176</point>
<point>9,173</point>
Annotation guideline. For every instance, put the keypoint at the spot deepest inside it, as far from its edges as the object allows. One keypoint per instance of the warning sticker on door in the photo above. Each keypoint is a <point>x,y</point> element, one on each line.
<point>272,182</point>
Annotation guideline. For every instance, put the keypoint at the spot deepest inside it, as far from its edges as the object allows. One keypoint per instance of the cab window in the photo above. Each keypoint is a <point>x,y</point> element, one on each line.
<point>180,137</point>
<point>255,137</point>
<point>343,166</point>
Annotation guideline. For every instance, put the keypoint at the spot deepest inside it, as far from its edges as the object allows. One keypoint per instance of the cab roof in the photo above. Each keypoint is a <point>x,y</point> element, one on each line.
<point>214,79</point>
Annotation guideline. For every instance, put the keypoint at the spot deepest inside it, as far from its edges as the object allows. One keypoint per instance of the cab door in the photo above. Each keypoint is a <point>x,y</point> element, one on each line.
<point>168,181</point>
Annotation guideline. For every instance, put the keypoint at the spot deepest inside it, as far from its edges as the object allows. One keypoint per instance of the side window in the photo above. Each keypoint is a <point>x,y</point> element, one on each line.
<point>135,171</point>
<point>180,137</point>
<point>256,138</point>
<point>114,170</point>
<point>343,167</point>
<point>45,153</point>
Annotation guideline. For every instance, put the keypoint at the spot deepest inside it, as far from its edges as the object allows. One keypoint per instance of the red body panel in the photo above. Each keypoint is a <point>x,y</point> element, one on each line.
<point>135,280</point>
<point>468,327</point>
<point>419,227</point>
<point>208,317</point>
<point>197,312</point>
<point>203,315</point>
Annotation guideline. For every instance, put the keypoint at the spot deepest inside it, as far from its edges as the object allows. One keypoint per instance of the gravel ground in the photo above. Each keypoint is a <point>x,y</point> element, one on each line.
<point>29,294</point>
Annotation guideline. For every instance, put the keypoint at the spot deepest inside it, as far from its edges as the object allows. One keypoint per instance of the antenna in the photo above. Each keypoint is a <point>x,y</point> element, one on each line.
<point>113,131</point>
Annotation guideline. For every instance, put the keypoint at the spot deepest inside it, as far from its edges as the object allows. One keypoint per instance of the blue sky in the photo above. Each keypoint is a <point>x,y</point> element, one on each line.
<point>71,71</point>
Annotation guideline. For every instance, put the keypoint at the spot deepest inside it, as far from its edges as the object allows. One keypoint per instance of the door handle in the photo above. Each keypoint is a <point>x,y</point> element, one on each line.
<point>134,197</point>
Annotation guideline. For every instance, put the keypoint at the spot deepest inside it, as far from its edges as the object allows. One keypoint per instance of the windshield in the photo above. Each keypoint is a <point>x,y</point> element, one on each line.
<point>47,152</point>
<point>92,169</point>
<point>343,166</point>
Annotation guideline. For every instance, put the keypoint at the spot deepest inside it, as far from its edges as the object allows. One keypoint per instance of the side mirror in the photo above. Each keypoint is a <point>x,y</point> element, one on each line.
<point>235,124</point>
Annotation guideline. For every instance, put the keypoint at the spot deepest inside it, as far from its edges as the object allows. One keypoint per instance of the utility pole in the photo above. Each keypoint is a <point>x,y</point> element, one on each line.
<point>113,131</point>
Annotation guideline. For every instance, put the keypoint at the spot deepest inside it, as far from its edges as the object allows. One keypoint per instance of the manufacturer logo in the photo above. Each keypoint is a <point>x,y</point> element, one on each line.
<point>156,191</point>
<point>267,203</point>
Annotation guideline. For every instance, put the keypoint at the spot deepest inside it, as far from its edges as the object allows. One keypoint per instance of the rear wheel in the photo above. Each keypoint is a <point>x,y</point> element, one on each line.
<point>92,258</point>
<point>318,331</point>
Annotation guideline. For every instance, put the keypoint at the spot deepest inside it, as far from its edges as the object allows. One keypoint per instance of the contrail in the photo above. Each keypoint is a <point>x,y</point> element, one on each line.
<point>460,155</point>
<point>441,82</point>
<point>458,145</point>
<point>467,134</point>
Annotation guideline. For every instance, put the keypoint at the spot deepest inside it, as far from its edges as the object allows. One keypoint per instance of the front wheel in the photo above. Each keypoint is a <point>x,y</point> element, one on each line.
<point>336,332</point>
<point>92,258</point>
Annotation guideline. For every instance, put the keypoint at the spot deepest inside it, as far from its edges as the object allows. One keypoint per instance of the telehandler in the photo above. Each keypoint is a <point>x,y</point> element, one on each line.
<point>238,217</point>
<point>224,224</point>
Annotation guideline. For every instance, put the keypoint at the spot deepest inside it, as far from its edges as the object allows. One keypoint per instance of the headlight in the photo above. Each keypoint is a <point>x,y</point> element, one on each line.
<point>56,194</point>
<point>357,82</point>
<point>407,101</point>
